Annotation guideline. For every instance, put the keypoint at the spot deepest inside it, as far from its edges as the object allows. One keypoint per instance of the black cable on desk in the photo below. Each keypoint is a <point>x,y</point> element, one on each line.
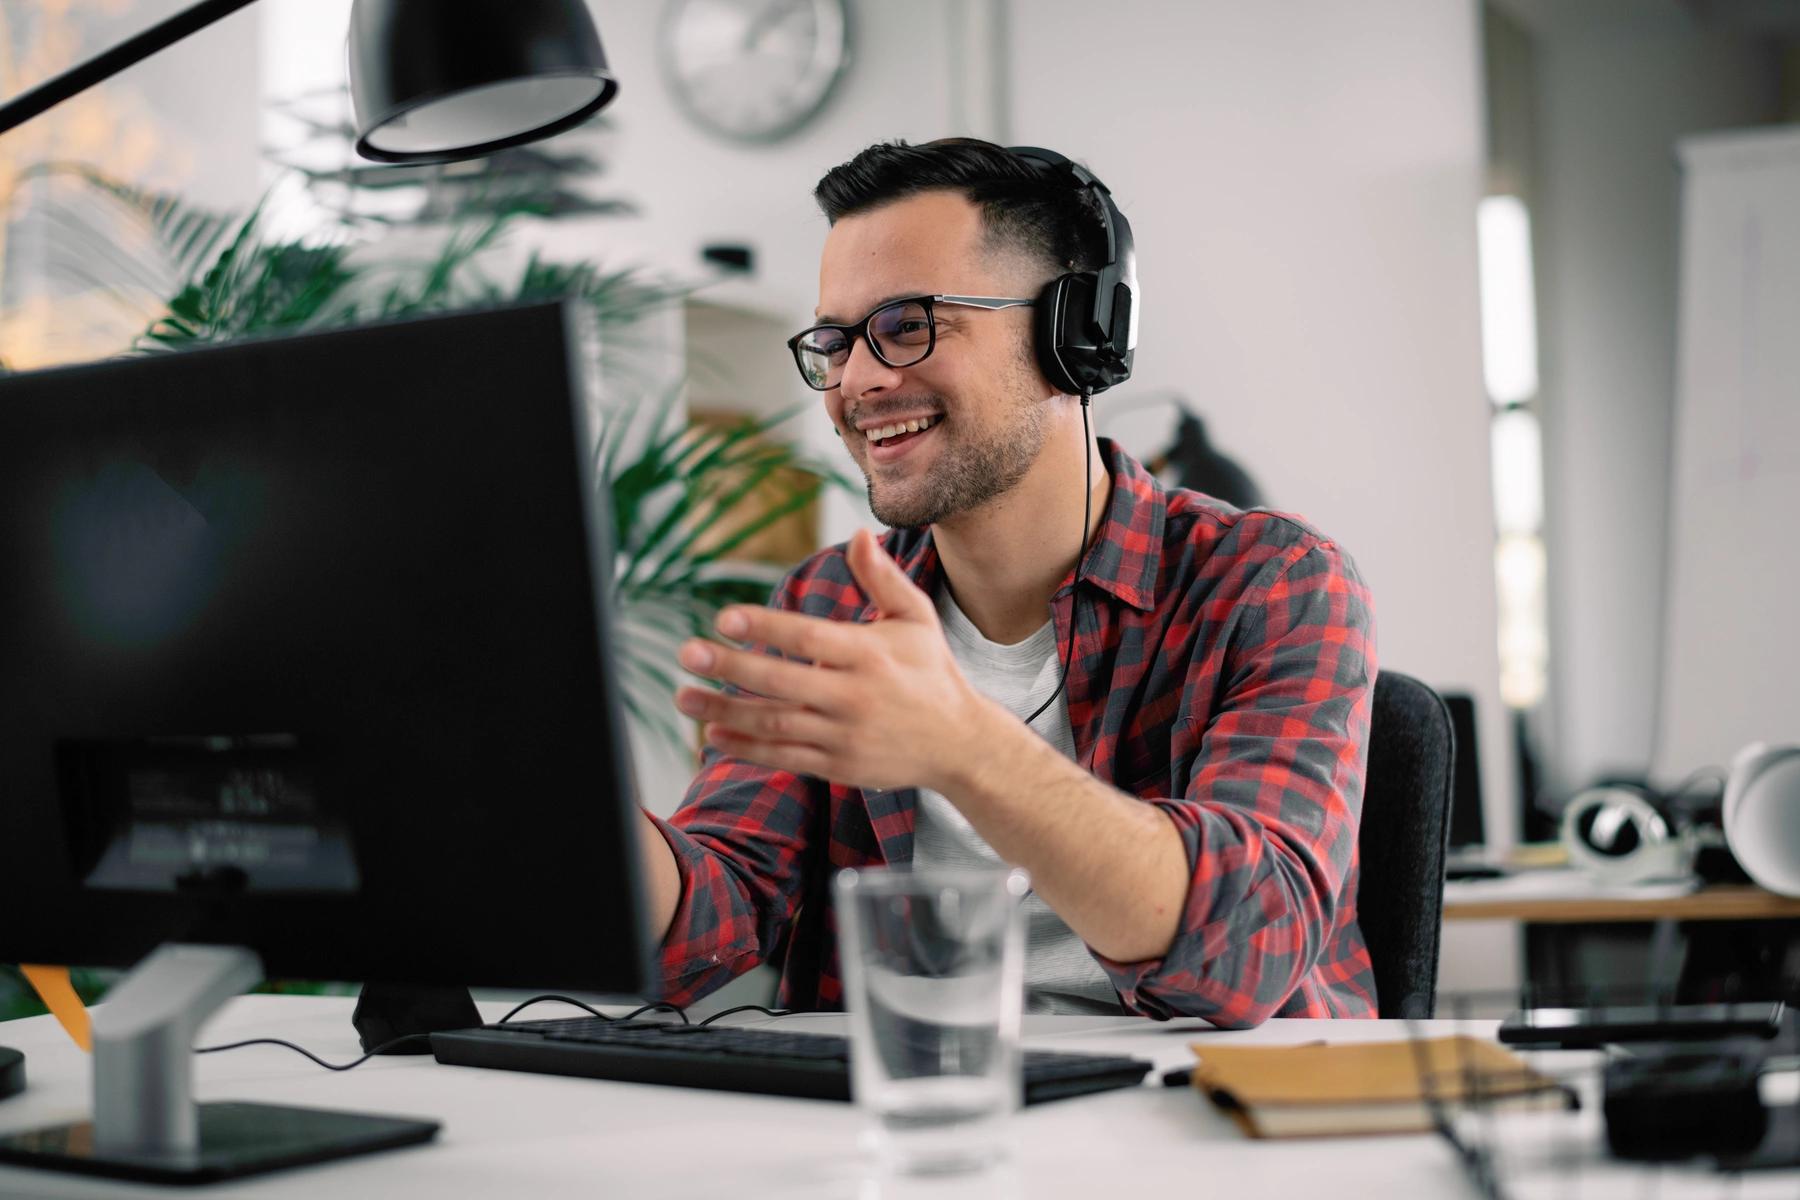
<point>656,1006</point>
<point>381,1049</point>
<point>768,1012</point>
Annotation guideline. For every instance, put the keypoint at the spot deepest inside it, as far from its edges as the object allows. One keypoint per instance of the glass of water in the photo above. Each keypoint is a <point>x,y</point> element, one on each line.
<point>934,963</point>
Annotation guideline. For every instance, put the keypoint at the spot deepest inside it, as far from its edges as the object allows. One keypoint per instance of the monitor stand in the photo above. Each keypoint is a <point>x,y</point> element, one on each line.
<point>146,1125</point>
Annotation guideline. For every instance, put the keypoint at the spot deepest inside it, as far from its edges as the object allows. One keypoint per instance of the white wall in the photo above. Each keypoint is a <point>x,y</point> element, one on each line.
<point>1618,86</point>
<point>1731,658</point>
<point>203,93</point>
<point>1302,180</point>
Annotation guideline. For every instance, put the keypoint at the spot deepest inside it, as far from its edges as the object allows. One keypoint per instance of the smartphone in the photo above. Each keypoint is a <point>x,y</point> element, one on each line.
<point>1590,1027</point>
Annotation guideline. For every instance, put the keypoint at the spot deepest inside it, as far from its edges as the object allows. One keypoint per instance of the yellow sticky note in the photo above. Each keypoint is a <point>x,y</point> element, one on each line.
<point>58,994</point>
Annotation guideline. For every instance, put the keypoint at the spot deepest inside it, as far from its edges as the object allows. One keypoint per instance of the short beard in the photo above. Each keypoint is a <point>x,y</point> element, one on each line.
<point>971,470</point>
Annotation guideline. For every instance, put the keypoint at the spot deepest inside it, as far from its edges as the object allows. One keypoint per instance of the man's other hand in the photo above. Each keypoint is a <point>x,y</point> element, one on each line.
<point>874,705</point>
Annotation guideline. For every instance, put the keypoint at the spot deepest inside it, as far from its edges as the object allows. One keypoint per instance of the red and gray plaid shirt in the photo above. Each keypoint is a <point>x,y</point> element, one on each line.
<point>1223,671</point>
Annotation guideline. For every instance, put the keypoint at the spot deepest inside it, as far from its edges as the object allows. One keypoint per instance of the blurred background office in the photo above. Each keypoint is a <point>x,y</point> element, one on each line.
<point>1411,268</point>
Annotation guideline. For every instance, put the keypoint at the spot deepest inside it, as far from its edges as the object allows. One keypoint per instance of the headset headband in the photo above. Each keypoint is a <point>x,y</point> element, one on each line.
<point>1088,336</point>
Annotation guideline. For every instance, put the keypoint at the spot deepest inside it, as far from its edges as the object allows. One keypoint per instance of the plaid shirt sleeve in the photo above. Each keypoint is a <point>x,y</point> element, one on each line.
<point>739,839</point>
<point>1271,807</point>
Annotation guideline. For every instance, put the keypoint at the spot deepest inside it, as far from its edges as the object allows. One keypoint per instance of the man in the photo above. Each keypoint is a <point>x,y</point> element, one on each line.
<point>1186,808</point>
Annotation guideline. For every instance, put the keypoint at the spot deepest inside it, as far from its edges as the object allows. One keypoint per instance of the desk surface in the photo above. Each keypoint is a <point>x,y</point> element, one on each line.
<point>1568,897</point>
<point>508,1134</point>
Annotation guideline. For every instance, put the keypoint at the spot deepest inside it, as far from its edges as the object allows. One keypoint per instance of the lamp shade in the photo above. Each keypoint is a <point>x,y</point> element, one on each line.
<point>442,80</point>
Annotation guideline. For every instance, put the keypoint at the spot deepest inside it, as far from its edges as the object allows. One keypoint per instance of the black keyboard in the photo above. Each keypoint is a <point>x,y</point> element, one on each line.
<point>768,1061</point>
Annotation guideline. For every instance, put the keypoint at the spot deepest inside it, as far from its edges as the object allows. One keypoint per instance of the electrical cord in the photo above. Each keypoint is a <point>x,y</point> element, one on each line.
<point>658,1006</point>
<point>381,1049</point>
<point>772,1012</point>
<point>1087,516</point>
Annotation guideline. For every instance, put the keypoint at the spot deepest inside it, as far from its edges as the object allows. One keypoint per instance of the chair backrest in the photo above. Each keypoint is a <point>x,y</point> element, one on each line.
<point>1405,818</point>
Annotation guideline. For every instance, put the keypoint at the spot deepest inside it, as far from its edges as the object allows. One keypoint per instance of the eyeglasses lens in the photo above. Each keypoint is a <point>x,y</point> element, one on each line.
<point>902,332</point>
<point>822,354</point>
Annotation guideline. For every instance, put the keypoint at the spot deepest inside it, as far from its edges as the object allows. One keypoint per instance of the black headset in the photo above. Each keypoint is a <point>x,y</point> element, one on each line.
<point>1086,321</point>
<point>1085,337</point>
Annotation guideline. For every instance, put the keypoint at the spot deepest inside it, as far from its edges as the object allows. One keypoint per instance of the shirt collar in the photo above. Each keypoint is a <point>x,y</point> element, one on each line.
<point>1127,551</point>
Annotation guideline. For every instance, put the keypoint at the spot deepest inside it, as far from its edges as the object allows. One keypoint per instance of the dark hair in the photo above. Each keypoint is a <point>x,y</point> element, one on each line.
<point>1045,214</point>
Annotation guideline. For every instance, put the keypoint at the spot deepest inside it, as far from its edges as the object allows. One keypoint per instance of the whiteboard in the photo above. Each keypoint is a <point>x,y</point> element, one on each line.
<point>1732,624</point>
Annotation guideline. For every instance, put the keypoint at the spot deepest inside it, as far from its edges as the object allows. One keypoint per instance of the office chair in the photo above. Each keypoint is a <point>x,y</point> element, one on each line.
<point>1405,819</point>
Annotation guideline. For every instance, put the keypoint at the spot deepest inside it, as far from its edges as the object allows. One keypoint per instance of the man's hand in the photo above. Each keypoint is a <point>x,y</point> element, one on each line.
<point>875,705</point>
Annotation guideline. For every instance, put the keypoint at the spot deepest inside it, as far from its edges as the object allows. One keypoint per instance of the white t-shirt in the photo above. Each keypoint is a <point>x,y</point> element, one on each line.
<point>1061,975</point>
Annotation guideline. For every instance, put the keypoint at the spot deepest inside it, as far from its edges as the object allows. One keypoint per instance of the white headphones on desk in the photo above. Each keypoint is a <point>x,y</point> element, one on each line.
<point>1762,815</point>
<point>1628,833</point>
<point>1619,834</point>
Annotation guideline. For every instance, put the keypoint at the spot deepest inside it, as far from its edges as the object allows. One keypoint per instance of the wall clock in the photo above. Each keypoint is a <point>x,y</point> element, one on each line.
<point>753,70</point>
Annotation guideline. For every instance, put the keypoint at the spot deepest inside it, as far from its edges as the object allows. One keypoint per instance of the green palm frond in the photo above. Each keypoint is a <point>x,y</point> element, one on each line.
<point>452,277</point>
<point>256,286</point>
<point>188,233</point>
<point>693,478</point>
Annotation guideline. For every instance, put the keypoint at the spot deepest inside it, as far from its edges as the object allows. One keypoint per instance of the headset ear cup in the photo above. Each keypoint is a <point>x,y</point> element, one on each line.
<point>1073,353</point>
<point>1047,335</point>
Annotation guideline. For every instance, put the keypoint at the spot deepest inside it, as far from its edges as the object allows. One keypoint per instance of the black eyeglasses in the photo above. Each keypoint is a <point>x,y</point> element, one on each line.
<point>900,332</point>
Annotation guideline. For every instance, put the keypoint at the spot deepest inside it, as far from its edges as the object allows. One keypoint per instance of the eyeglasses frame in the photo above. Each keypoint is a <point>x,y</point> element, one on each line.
<point>861,329</point>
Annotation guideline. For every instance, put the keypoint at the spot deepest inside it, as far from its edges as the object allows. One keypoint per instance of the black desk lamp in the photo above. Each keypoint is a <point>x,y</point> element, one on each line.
<point>431,81</point>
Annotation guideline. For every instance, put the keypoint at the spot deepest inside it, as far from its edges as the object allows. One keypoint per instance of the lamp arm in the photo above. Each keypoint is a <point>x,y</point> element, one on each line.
<point>104,66</point>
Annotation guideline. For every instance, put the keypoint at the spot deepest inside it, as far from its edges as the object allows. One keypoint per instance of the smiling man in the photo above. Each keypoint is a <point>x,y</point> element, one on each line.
<point>1186,799</point>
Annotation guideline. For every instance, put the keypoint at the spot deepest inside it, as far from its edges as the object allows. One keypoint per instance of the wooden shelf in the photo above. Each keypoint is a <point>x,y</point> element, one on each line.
<point>1725,902</point>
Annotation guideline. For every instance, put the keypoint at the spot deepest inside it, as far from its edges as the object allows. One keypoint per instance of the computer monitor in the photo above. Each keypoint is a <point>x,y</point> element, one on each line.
<point>303,651</point>
<point>1468,830</point>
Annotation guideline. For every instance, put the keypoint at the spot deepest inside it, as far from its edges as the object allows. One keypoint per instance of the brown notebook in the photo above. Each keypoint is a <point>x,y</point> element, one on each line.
<point>1363,1087</point>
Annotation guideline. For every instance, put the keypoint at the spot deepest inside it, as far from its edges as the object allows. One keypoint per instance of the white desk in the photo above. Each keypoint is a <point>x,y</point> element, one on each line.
<point>507,1134</point>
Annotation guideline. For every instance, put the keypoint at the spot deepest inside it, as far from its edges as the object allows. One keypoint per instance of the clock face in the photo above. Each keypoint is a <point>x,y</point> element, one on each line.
<point>756,70</point>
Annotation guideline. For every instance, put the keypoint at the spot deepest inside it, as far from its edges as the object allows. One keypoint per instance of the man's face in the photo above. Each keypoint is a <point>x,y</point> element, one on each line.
<point>980,387</point>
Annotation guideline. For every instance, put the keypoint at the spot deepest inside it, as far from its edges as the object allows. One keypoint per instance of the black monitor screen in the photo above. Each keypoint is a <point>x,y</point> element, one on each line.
<point>302,647</point>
